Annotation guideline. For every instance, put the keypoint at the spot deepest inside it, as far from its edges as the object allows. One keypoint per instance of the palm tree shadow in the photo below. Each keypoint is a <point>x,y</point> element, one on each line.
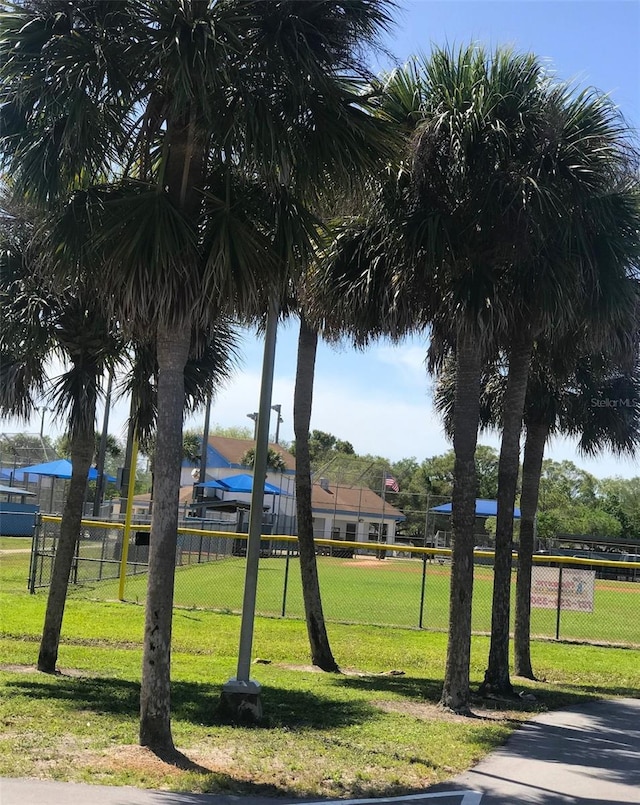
<point>196,702</point>
<point>176,758</point>
<point>409,687</point>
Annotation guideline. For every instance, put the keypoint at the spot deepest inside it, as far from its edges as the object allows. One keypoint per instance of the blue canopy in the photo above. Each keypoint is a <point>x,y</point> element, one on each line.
<point>15,490</point>
<point>212,485</point>
<point>242,483</point>
<point>56,469</point>
<point>484,508</point>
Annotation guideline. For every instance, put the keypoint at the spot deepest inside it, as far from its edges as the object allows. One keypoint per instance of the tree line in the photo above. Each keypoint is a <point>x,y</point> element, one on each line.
<point>572,500</point>
<point>175,169</point>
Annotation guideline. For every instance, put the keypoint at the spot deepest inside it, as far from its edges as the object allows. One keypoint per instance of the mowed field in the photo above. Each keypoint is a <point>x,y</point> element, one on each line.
<point>373,730</point>
<point>384,592</point>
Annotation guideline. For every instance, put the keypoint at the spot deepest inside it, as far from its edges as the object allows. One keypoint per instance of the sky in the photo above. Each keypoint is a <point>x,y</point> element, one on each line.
<point>380,400</point>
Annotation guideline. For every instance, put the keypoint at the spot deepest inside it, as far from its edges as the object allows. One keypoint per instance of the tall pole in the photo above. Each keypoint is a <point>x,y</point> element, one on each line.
<point>44,410</point>
<point>241,690</point>
<point>126,534</point>
<point>127,469</point>
<point>254,417</point>
<point>278,410</point>
<point>102,451</point>
<point>205,440</point>
<point>384,502</point>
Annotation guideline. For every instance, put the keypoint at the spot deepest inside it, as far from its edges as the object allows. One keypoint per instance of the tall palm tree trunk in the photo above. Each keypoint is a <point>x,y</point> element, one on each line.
<point>82,447</point>
<point>537,434</point>
<point>455,692</point>
<point>321,654</point>
<point>155,699</point>
<point>183,175</point>
<point>496,676</point>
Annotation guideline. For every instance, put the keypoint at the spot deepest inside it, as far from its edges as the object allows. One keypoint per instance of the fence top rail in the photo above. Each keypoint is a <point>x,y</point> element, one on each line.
<point>583,561</point>
<point>367,546</point>
<point>56,518</point>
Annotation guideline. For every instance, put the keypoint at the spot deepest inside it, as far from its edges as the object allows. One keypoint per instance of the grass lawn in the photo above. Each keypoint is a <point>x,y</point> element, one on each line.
<point>368,731</point>
<point>388,592</point>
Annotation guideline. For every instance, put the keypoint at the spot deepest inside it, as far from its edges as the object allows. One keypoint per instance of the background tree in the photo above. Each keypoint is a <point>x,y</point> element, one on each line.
<point>113,453</point>
<point>25,449</point>
<point>275,461</point>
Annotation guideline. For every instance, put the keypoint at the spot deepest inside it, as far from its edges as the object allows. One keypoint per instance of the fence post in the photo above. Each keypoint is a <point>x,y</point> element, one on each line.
<point>422,589</point>
<point>103,552</point>
<point>126,535</point>
<point>33,562</point>
<point>286,580</point>
<point>76,558</point>
<point>559,603</point>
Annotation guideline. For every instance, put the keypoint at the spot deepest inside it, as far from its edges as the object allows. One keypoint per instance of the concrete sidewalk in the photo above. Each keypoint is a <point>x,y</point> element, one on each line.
<point>587,755</point>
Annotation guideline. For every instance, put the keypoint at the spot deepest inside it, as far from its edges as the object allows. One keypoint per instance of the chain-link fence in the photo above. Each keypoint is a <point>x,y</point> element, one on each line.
<point>400,585</point>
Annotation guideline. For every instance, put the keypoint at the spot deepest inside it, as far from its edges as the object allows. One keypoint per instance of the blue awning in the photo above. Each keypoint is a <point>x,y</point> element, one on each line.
<point>212,485</point>
<point>15,490</point>
<point>484,508</point>
<point>55,469</point>
<point>242,483</point>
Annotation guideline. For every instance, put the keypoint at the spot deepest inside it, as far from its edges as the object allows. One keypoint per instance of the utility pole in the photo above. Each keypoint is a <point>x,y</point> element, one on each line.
<point>278,410</point>
<point>254,417</point>
<point>44,410</point>
<point>205,441</point>
<point>102,450</point>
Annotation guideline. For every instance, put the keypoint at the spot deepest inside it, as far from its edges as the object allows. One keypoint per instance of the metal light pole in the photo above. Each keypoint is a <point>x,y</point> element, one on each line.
<point>205,441</point>
<point>44,410</point>
<point>102,451</point>
<point>278,410</point>
<point>240,694</point>
<point>254,417</point>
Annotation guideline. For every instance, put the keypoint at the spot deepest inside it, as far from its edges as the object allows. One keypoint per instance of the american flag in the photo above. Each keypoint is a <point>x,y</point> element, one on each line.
<point>391,484</point>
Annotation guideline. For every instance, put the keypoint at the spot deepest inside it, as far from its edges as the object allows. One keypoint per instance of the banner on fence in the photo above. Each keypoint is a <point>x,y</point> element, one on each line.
<point>577,588</point>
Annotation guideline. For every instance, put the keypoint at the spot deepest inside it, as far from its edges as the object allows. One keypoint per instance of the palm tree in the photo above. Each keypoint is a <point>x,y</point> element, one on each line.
<point>563,382</point>
<point>347,291</point>
<point>112,448</point>
<point>321,653</point>
<point>471,220</point>
<point>207,109</point>
<point>41,320</point>
<point>515,177</point>
<point>563,402</point>
<point>577,271</point>
<point>274,459</point>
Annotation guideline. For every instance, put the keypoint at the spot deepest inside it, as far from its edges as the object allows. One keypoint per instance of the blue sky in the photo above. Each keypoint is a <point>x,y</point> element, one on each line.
<point>380,400</point>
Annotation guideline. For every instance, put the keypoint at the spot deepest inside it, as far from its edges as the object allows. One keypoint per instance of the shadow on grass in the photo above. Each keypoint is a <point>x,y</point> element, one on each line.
<point>409,687</point>
<point>197,703</point>
<point>420,689</point>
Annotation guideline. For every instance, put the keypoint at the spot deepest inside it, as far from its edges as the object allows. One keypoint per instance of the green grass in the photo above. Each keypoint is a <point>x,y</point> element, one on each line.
<point>15,543</point>
<point>385,593</point>
<point>368,732</point>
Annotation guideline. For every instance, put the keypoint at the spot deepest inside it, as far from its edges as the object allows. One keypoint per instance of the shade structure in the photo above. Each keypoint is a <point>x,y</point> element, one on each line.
<point>242,483</point>
<point>56,469</point>
<point>213,485</point>
<point>15,490</point>
<point>484,508</point>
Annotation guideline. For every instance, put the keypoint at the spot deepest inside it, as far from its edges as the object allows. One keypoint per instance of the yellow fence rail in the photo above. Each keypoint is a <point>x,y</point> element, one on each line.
<point>409,589</point>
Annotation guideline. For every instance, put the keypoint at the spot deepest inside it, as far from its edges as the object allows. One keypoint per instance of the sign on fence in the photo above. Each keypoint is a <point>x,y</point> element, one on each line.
<point>577,588</point>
